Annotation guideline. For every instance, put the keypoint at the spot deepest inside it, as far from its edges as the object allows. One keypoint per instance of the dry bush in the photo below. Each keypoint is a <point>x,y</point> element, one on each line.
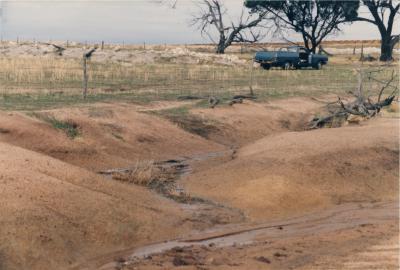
<point>142,174</point>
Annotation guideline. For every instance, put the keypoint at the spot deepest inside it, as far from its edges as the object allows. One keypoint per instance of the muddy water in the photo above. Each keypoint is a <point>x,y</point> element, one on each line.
<point>342,217</point>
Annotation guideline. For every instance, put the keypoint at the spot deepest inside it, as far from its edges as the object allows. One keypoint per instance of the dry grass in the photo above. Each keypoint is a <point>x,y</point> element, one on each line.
<point>50,81</point>
<point>61,76</point>
<point>143,173</point>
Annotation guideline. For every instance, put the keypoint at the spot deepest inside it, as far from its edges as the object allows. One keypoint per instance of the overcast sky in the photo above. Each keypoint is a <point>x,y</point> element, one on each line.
<point>129,21</point>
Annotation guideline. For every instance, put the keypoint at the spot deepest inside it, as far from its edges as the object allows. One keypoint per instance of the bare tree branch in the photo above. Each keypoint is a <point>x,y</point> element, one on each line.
<point>362,106</point>
<point>212,17</point>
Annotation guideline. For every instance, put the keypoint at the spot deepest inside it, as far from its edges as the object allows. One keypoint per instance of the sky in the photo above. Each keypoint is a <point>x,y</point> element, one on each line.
<point>128,21</point>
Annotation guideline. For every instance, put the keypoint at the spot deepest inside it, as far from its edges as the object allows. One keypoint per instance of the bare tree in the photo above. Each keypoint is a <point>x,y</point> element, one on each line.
<point>212,16</point>
<point>383,16</point>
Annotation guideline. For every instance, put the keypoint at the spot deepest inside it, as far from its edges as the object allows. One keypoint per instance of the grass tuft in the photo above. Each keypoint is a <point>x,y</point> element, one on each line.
<point>70,128</point>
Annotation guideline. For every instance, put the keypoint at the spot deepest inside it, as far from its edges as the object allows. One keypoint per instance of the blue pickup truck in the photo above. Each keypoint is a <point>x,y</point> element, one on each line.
<point>290,57</point>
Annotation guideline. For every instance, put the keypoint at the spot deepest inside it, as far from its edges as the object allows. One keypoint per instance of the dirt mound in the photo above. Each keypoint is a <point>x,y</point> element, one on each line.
<point>54,215</point>
<point>109,136</point>
<point>247,122</point>
<point>294,172</point>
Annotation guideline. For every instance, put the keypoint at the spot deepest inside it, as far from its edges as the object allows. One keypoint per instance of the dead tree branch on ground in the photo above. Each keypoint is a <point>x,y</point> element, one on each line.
<point>58,49</point>
<point>361,106</point>
<point>213,101</point>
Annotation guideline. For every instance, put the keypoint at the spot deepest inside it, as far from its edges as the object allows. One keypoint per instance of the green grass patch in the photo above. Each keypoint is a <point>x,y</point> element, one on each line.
<point>70,128</point>
<point>33,102</point>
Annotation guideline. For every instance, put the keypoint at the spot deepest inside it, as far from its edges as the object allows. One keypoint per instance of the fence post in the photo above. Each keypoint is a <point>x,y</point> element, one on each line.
<point>362,51</point>
<point>102,45</point>
<point>86,56</point>
<point>251,78</point>
<point>85,77</point>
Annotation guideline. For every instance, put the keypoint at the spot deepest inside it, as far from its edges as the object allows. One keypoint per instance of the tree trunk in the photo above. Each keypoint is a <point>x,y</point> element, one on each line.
<point>313,48</point>
<point>314,44</point>
<point>386,49</point>
<point>220,48</point>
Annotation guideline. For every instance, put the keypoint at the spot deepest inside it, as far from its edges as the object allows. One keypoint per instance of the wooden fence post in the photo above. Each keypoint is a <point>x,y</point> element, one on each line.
<point>251,78</point>
<point>102,45</point>
<point>86,57</point>
<point>85,77</point>
<point>362,51</point>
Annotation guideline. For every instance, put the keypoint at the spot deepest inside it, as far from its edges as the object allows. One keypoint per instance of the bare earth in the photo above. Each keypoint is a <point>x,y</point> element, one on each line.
<point>267,194</point>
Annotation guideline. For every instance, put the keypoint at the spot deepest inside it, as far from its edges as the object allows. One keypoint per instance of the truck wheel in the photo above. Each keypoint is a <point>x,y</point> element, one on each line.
<point>286,66</point>
<point>318,66</point>
<point>266,66</point>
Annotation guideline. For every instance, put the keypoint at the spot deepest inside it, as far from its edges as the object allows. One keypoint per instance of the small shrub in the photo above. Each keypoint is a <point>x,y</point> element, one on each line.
<point>69,127</point>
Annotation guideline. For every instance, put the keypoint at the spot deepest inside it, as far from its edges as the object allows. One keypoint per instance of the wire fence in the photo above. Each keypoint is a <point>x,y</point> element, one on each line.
<point>64,77</point>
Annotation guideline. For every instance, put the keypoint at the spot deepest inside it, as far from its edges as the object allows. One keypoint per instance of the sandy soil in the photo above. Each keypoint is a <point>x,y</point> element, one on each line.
<point>259,166</point>
<point>54,214</point>
<point>111,136</point>
<point>334,239</point>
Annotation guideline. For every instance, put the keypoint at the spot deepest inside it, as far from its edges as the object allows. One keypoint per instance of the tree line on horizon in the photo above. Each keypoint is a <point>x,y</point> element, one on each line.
<point>313,20</point>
